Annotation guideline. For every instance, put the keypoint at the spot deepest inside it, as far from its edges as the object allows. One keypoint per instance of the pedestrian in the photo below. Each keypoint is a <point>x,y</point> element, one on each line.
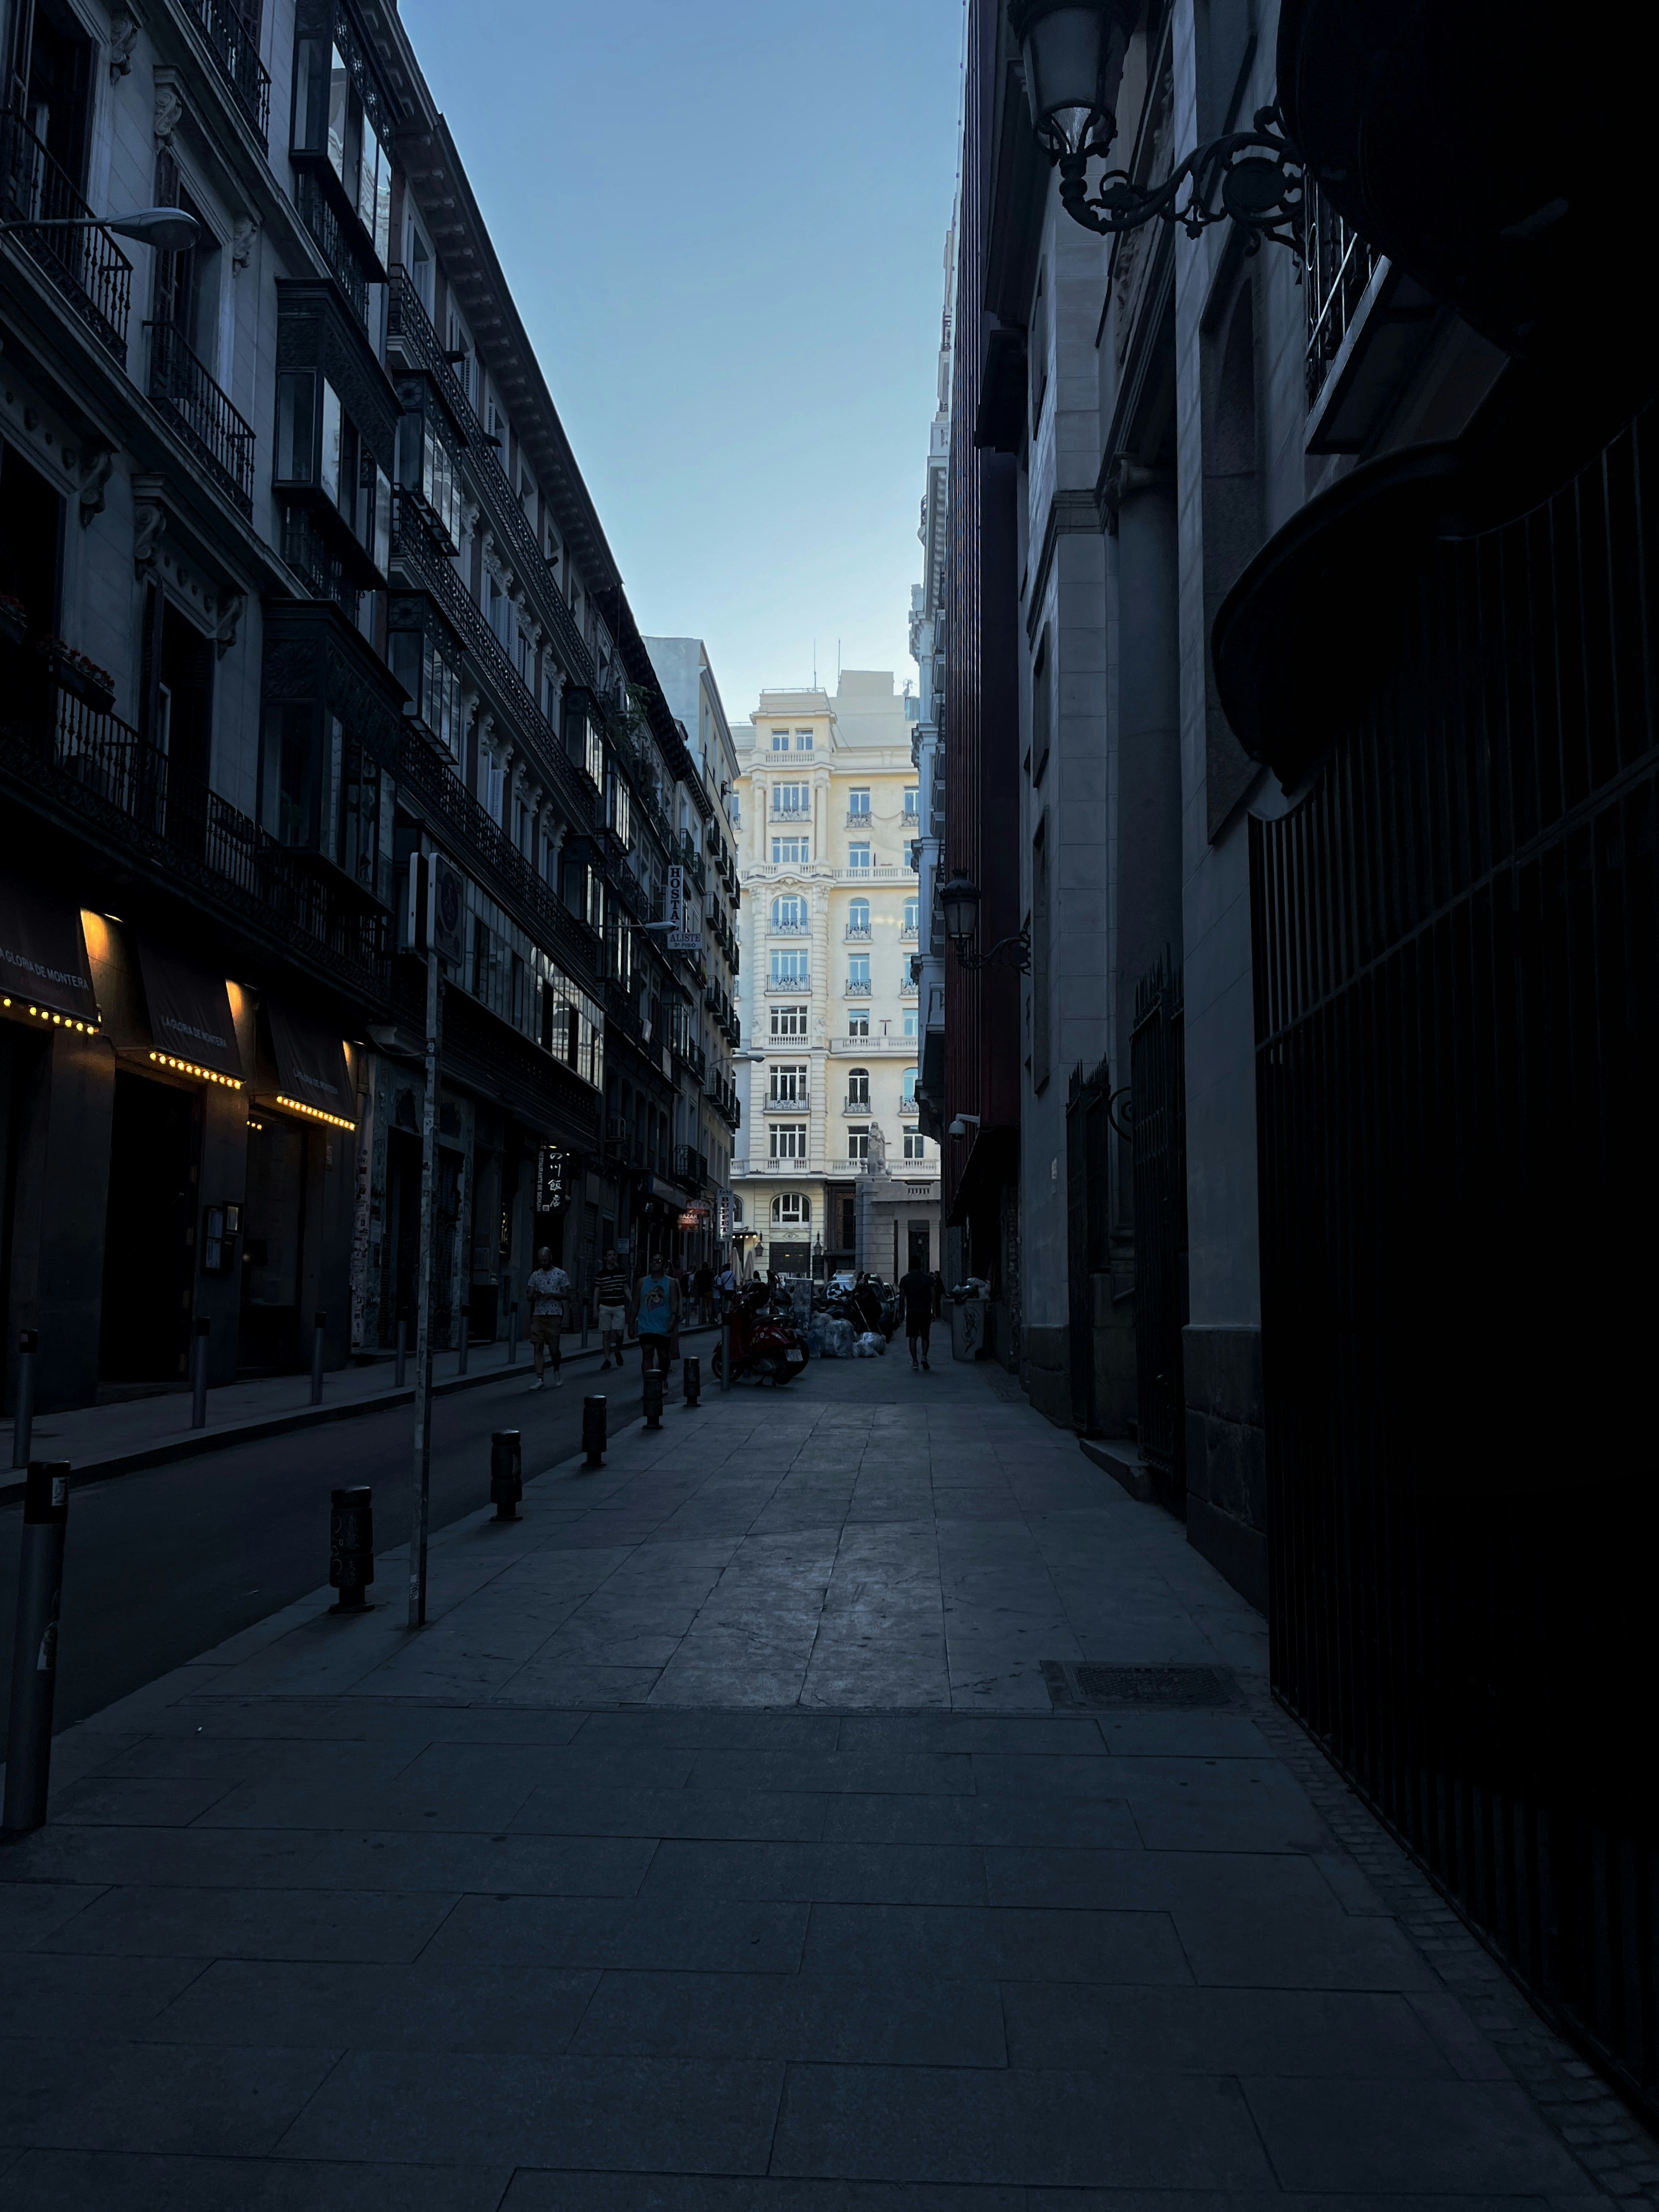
<point>611,1299</point>
<point>916,1297</point>
<point>549,1287</point>
<point>703,1284</point>
<point>726,1289</point>
<point>655,1313</point>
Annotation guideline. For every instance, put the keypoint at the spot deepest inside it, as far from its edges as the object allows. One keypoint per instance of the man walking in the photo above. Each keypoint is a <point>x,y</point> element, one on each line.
<point>655,1314</point>
<point>549,1287</point>
<point>610,1296</point>
<point>916,1299</point>
<point>702,1288</point>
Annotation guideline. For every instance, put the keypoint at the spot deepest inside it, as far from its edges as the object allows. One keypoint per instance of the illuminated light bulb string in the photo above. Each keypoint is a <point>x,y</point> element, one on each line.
<point>190,1068</point>
<point>57,1021</point>
<point>314,1113</point>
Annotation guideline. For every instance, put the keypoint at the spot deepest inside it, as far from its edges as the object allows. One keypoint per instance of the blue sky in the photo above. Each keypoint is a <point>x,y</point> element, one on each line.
<point>725,223</point>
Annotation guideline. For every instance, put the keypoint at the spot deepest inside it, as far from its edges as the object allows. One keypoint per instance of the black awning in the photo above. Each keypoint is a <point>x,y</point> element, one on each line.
<point>43,954</point>
<point>189,1017</point>
<point>993,1161</point>
<point>311,1076</point>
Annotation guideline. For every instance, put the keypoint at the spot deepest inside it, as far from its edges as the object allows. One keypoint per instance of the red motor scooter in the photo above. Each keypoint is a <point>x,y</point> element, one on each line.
<point>762,1345</point>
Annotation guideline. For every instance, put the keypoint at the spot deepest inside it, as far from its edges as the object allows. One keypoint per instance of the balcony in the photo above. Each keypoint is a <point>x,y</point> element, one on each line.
<point>869,1047</point>
<point>317,213</point>
<point>407,326</point>
<point>858,936</point>
<point>860,820</point>
<point>910,932</point>
<point>795,1106</point>
<point>201,413</point>
<point>691,1168</point>
<point>788,986</point>
<point>235,47</point>
<point>310,555</point>
<point>99,771</point>
<point>790,929</point>
<point>854,1104</point>
<point>906,985</point>
<point>86,265</point>
<point>857,987</point>
<point>1340,265</point>
<point>882,872</point>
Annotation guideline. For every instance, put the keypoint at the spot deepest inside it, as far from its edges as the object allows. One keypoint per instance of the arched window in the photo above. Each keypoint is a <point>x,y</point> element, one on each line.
<point>789,912</point>
<point>858,918</point>
<point>909,1086</point>
<point>858,1087</point>
<point>792,1211</point>
<point>912,915</point>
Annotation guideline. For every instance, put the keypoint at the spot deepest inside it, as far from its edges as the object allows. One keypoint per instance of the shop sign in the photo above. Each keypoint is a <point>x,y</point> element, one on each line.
<point>684,922</point>
<point>552,1180</point>
<point>725,1214</point>
<point>696,1215</point>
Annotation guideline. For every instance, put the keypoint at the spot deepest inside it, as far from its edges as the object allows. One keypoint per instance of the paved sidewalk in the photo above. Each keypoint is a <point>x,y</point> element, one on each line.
<point>720,1845</point>
<point>140,1433</point>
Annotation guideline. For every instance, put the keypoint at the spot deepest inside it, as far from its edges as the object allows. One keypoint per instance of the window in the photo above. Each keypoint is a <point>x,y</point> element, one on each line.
<point>1040,714</point>
<point>792,798</point>
<point>789,912</point>
<point>790,970</point>
<point>908,1091</point>
<point>858,1021</point>
<point>912,801</point>
<point>332,117</point>
<point>858,859</point>
<point>912,915</point>
<point>780,741</point>
<point>420,661</point>
<point>857,971</point>
<point>593,756</point>
<point>858,802</point>
<point>319,444</point>
<point>621,810</point>
<point>793,1210</point>
<point>789,1022</point>
<point>858,1087</point>
<point>915,1145</point>
<point>788,1141</point>
<point>425,468</point>
<point>791,851</point>
<point>910,1021</point>
<point>736,1211</point>
<point>786,1083</point>
<point>858,918</point>
<point>803,741</point>
<point>858,1144</point>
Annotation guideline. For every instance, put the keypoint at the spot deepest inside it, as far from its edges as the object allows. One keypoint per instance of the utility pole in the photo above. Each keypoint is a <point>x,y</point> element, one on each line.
<point>431,887</point>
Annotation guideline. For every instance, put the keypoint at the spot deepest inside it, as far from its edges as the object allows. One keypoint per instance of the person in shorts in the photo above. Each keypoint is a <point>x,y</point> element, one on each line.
<point>656,1314</point>
<point>610,1296</point>
<point>549,1287</point>
<point>916,1300</point>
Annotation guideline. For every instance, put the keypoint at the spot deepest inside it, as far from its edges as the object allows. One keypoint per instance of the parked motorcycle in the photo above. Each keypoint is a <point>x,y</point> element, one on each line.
<point>765,1343</point>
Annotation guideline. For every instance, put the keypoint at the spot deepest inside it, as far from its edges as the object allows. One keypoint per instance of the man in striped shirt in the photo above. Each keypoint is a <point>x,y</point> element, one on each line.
<point>610,1296</point>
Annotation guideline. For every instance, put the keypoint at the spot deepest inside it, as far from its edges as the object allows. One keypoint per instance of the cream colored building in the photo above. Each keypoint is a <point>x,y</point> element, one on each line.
<point>833,1169</point>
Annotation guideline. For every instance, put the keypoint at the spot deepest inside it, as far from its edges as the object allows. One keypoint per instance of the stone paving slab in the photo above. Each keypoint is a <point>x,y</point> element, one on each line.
<point>717,1846</point>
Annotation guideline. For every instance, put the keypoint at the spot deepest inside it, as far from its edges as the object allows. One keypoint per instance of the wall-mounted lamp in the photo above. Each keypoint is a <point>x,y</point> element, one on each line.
<point>168,229</point>
<point>1072,52</point>
<point>959,902</point>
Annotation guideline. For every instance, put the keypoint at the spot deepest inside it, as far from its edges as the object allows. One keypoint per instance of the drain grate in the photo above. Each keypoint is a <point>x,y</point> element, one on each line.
<point>1083,1686</point>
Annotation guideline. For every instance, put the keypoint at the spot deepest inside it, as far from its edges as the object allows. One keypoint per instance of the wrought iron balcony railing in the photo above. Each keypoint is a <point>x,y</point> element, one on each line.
<point>233,45</point>
<point>309,554</point>
<point>85,263</point>
<point>193,403</point>
<point>856,935</point>
<point>1338,264</point>
<point>134,796</point>
<point>319,218</point>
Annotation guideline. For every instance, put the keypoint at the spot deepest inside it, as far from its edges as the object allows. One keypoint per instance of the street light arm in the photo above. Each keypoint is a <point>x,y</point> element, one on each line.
<point>1256,176</point>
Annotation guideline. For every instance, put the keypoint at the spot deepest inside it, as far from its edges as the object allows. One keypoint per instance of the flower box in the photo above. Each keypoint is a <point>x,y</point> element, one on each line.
<point>82,678</point>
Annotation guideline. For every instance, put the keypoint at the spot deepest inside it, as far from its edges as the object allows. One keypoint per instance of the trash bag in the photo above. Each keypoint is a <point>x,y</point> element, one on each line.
<point>871,1346</point>
<point>838,1339</point>
<point>817,1337</point>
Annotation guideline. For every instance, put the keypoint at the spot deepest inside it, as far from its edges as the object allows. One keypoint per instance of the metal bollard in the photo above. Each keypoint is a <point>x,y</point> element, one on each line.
<point>466,1331</point>
<point>691,1380</point>
<point>199,1378</point>
<point>654,1381</point>
<point>34,1647</point>
<point>506,1472</point>
<point>402,1370</point>
<point>351,1547</point>
<point>593,1431</point>
<point>513,1334</point>
<point>28,1343</point>
<point>320,1323</point>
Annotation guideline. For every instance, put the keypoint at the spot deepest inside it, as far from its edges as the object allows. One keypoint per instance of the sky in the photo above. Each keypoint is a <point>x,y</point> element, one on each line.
<point>724,223</point>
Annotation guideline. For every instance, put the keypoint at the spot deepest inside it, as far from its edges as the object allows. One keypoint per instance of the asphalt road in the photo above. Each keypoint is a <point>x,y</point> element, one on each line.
<point>163,1564</point>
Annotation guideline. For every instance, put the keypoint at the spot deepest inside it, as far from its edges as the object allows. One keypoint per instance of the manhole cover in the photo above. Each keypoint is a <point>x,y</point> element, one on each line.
<point>1086,1686</point>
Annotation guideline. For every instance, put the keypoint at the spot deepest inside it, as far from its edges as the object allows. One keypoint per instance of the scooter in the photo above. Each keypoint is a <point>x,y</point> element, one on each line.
<point>764,1345</point>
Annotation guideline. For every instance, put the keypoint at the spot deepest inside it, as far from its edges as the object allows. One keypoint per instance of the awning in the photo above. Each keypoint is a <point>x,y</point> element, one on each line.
<point>191,1027</point>
<point>993,1161</point>
<point>43,957</point>
<point>311,1076</point>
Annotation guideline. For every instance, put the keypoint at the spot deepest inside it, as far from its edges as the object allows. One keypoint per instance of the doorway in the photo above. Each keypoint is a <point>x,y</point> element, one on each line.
<point>273,1246</point>
<point>403,1257</point>
<point>920,1246</point>
<point>143,1334</point>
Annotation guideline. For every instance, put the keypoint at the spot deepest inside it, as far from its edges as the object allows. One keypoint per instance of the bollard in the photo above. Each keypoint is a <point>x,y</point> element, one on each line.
<point>593,1431</point>
<point>505,1474</point>
<point>199,1378</point>
<point>23,1421</point>
<point>466,1331</point>
<point>726,1352</point>
<point>691,1381</point>
<point>513,1334</point>
<point>34,1649</point>
<point>320,1323</point>
<point>351,1547</point>
<point>654,1396</point>
<point>402,1350</point>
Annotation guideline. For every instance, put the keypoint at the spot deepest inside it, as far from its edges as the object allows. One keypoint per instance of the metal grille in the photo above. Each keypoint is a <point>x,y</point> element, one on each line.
<point>1339,263</point>
<point>233,37</point>
<point>1158,1084</point>
<point>84,263</point>
<point>180,386</point>
<point>1457,978</point>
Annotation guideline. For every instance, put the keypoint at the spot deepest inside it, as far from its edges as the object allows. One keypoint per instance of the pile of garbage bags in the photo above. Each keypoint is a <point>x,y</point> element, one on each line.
<point>830,1339</point>
<point>871,1346</point>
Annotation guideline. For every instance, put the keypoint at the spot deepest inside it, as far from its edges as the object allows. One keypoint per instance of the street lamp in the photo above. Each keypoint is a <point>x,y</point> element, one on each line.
<point>168,229</point>
<point>959,901</point>
<point>1073,53</point>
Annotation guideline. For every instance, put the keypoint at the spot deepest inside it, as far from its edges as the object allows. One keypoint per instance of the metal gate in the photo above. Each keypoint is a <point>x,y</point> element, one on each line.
<point>1158,1070</point>
<point>1457,1010</point>
<point>1088,1216</point>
